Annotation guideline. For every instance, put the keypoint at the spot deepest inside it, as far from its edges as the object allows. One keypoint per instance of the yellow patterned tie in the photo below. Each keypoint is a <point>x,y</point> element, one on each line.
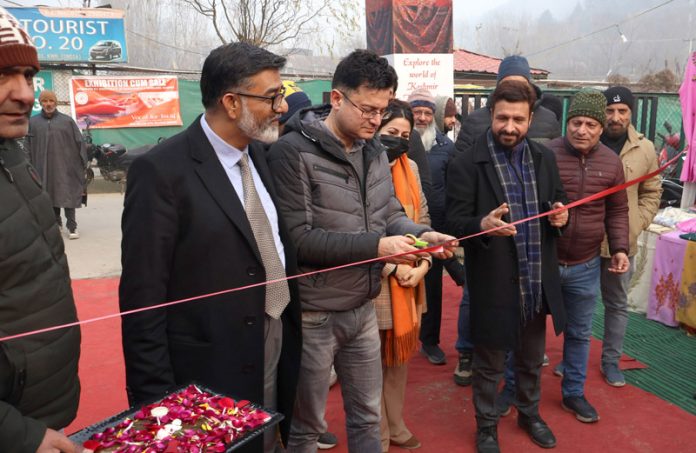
<point>277,294</point>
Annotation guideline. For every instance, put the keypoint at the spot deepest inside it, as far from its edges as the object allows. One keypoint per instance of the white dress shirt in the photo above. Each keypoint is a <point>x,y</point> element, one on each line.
<point>229,157</point>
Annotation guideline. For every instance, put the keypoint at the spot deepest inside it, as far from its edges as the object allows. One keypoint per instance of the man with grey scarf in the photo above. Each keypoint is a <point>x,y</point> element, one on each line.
<point>512,272</point>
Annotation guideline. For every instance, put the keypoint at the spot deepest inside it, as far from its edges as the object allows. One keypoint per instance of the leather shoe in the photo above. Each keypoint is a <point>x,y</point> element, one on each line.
<point>487,440</point>
<point>538,430</point>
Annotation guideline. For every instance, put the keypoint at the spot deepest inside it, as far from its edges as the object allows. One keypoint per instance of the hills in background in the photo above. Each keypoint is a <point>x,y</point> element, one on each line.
<point>558,36</point>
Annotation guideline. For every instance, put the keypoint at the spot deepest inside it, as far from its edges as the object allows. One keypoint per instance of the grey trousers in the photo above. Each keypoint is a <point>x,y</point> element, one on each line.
<point>349,340</point>
<point>273,330</point>
<point>615,300</point>
<point>488,366</point>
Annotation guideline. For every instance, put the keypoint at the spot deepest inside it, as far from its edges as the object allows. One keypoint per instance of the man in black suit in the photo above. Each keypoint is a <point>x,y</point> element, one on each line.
<point>512,272</point>
<point>200,217</point>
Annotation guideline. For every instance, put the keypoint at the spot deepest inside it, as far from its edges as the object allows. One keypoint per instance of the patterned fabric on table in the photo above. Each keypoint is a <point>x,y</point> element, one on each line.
<point>686,309</point>
<point>666,278</point>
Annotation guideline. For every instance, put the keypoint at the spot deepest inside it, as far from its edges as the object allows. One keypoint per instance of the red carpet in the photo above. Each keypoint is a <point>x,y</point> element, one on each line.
<point>438,412</point>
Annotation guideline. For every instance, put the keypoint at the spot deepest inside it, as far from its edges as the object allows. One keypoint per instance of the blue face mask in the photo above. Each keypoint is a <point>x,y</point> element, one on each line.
<point>396,146</point>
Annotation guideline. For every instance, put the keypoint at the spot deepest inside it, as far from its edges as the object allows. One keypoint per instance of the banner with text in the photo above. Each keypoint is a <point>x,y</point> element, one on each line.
<point>432,71</point>
<point>114,102</point>
<point>75,34</point>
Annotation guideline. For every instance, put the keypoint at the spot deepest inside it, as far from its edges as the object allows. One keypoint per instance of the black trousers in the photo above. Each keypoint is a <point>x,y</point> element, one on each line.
<point>488,367</point>
<point>432,319</point>
<point>69,216</point>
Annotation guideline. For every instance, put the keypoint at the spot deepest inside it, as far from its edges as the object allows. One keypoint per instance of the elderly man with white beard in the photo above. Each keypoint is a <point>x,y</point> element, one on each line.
<point>439,149</point>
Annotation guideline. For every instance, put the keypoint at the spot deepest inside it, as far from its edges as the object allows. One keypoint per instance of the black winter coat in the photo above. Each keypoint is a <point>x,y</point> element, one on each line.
<point>185,233</point>
<point>39,385</point>
<point>473,190</point>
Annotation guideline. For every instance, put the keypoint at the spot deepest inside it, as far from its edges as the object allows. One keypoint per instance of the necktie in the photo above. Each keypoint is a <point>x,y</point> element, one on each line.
<point>277,294</point>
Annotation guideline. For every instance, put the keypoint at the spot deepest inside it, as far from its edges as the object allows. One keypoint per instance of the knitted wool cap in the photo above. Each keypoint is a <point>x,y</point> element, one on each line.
<point>589,102</point>
<point>514,65</point>
<point>16,48</point>
<point>450,108</point>
<point>296,99</point>
<point>619,95</point>
<point>422,98</point>
<point>47,94</point>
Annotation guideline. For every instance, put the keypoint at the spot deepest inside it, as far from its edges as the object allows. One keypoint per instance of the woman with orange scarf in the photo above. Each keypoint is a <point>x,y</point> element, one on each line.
<point>402,300</point>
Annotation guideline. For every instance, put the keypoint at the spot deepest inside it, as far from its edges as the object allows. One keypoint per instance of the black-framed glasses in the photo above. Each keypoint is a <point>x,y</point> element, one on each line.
<point>367,114</point>
<point>276,99</point>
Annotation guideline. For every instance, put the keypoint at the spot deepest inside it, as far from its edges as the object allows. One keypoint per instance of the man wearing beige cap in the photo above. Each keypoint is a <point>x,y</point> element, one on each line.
<point>39,386</point>
<point>57,151</point>
<point>439,149</point>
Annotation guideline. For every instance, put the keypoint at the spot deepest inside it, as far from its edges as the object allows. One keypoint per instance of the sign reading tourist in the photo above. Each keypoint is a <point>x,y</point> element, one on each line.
<point>75,34</point>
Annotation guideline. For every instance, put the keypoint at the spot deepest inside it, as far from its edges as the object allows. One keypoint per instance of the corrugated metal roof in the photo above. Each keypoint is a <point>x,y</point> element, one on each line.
<point>465,61</point>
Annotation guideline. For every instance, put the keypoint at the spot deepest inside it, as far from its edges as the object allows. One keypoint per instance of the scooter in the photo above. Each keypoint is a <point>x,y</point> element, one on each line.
<point>113,160</point>
<point>672,187</point>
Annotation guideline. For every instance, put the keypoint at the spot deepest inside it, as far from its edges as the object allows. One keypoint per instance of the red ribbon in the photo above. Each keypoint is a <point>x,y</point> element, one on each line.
<point>432,248</point>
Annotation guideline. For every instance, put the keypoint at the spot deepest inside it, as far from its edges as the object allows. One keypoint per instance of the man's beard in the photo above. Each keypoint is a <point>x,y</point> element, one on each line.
<point>428,135</point>
<point>266,132</point>
<point>508,141</point>
<point>615,133</point>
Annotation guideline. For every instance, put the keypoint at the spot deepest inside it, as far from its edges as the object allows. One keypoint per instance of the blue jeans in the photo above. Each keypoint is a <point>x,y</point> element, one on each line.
<point>580,287</point>
<point>463,343</point>
<point>350,340</point>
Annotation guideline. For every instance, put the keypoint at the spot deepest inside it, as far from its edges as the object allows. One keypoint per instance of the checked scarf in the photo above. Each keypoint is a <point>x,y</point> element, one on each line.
<point>521,195</point>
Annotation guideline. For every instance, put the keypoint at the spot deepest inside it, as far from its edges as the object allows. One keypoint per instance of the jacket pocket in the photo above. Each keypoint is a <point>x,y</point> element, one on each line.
<point>314,319</point>
<point>13,369</point>
<point>330,171</point>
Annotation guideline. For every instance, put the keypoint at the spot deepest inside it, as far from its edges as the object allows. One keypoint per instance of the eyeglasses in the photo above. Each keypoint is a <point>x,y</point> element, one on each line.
<point>367,114</point>
<point>276,99</point>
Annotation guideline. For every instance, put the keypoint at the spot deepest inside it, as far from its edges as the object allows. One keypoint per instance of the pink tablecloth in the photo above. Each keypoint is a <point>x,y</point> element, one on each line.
<point>665,285</point>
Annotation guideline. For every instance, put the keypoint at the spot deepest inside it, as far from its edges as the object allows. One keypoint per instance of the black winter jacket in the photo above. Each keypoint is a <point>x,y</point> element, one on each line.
<point>334,216</point>
<point>39,386</point>
<point>492,273</point>
<point>544,127</point>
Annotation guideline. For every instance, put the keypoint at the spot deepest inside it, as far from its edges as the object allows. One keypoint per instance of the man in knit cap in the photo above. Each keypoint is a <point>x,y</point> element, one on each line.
<point>579,247</point>
<point>445,114</point>
<point>439,150</point>
<point>57,151</point>
<point>39,386</point>
<point>639,158</point>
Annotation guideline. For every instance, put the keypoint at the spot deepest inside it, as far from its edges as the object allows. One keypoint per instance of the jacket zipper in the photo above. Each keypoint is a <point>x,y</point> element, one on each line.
<point>343,176</point>
<point>581,195</point>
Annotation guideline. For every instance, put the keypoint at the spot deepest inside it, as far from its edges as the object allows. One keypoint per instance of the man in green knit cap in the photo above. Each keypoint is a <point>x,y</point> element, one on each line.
<point>586,167</point>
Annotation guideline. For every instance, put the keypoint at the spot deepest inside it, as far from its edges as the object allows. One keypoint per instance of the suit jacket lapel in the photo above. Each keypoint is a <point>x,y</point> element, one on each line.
<point>214,178</point>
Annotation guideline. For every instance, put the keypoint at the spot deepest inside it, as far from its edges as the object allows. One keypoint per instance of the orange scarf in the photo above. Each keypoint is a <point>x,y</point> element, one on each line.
<point>402,340</point>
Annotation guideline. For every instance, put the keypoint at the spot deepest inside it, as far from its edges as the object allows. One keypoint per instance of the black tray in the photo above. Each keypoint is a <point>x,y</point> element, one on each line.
<point>84,434</point>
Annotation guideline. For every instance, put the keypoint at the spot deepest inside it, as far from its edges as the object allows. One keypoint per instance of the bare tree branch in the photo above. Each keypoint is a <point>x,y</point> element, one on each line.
<point>274,23</point>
